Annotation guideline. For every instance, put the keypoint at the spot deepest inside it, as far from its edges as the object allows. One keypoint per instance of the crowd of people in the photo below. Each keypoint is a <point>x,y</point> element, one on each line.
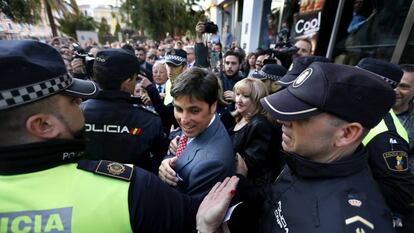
<point>166,137</point>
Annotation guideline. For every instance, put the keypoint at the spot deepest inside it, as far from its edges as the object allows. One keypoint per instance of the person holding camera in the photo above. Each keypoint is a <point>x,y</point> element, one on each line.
<point>201,50</point>
<point>228,77</point>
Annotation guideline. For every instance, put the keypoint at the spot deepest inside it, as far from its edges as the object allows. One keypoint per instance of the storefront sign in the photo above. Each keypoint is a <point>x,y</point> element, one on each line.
<point>308,23</point>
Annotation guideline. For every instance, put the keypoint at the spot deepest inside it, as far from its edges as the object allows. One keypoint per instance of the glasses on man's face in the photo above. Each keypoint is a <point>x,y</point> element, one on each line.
<point>161,50</point>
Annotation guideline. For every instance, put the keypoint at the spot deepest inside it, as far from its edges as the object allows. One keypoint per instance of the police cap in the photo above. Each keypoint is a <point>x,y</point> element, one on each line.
<point>387,71</point>
<point>349,93</point>
<point>116,63</point>
<point>176,57</point>
<point>298,65</point>
<point>32,70</point>
<point>270,71</point>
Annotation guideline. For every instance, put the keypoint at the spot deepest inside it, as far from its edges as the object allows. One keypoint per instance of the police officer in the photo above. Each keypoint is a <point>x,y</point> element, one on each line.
<point>327,185</point>
<point>387,145</point>
<point>44,184</point>
<point>118,129</point>
<point>270,74</point>
<point>298,65</point>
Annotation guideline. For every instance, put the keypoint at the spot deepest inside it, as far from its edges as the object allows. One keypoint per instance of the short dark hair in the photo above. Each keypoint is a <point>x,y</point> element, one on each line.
<point>108,82</point>
<point>14,119</point>
<point>198,83</point>
<point>219,44</point>
<point>234,53</point>
<point>141,49</point>
<point>128,47</point>
<point>407,67</point>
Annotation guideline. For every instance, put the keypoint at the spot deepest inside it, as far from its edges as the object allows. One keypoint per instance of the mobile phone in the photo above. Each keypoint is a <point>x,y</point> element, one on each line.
<point>214,58</point>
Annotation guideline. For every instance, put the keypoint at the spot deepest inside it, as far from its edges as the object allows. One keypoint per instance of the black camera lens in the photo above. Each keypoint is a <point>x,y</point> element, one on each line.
<point>210,27</point>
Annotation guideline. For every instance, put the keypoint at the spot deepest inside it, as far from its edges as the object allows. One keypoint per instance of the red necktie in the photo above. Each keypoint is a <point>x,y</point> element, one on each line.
<point>181,145</point>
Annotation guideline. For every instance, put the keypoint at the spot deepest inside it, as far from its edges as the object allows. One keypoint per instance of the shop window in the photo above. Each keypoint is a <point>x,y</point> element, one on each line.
<point>369,28</point>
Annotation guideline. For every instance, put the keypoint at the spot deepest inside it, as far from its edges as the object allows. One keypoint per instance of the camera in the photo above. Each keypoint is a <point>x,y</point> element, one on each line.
<point>283,49</point>
<point>210,27</point>
<point>88,59</point>
<point>78,51</point>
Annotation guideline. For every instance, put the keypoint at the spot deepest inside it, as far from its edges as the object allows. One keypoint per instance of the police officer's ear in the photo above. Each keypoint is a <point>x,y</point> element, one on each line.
<point>43,126</point>
<point>348,134</point>
<point>128,85</point>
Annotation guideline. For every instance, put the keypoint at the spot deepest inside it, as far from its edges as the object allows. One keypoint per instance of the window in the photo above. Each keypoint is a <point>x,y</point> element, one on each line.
<point>408,53</point>
<point>369,28</point>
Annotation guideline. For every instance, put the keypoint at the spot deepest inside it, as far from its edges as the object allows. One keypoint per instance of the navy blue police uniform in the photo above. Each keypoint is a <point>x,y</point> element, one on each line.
<point>388,147</point>
<point>118,129</point>
<point>122,131</point>
<point>340,196</point>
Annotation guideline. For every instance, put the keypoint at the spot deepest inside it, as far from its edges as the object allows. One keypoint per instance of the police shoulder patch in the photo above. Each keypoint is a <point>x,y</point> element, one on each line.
<point>396,160</point>
<point>114,169</point>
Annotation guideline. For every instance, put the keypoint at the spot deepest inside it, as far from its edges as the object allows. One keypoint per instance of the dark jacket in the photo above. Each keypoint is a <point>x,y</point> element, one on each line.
<point>201,55</point>
<point>314,197</point>
<point>259,143</point>
<point>146,68</point>
<point>390,165</point>
<point>120,131</point>
<point>227,82</point>
<point>166,112</point>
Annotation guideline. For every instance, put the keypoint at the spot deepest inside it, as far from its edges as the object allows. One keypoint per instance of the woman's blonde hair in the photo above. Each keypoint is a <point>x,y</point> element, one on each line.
<point>254,88</point>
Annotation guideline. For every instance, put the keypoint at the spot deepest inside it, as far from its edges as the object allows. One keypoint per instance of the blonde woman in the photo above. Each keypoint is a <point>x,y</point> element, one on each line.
<point>255,138</point>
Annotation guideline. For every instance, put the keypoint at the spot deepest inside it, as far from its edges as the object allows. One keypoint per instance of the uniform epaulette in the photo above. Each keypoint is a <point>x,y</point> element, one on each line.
<point>108,168</point>
<point>146,108</point>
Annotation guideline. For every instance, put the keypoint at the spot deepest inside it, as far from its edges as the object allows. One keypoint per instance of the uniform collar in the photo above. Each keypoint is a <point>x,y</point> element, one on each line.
<point>113,94</point>
<point>309,169</point>
<point>39,156</point>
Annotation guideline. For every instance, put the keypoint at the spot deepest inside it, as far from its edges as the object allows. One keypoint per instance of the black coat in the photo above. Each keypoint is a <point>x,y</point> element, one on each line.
<point>314,197</point>
<point>259,143</point>
<point>166,112</point>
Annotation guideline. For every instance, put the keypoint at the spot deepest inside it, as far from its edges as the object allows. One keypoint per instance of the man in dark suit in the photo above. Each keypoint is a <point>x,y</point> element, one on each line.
<point>144,66</point>
<point>205,153</point>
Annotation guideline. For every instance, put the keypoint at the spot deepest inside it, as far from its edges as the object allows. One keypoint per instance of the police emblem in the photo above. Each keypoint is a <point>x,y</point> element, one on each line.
<point>396,160</point>
<point>302,77</point>
<point>355,202</point>
<point>115,168</point>
<point>100,59</point>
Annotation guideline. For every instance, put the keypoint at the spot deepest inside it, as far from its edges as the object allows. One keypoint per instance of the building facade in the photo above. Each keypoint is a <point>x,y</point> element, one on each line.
<point>343,30</point>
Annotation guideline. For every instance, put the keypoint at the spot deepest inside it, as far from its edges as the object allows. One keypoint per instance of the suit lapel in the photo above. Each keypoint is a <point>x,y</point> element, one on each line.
<point>196,144</point>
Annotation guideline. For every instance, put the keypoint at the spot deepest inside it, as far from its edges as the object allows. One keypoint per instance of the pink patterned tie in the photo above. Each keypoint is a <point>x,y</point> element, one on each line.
<point>181,145</point>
